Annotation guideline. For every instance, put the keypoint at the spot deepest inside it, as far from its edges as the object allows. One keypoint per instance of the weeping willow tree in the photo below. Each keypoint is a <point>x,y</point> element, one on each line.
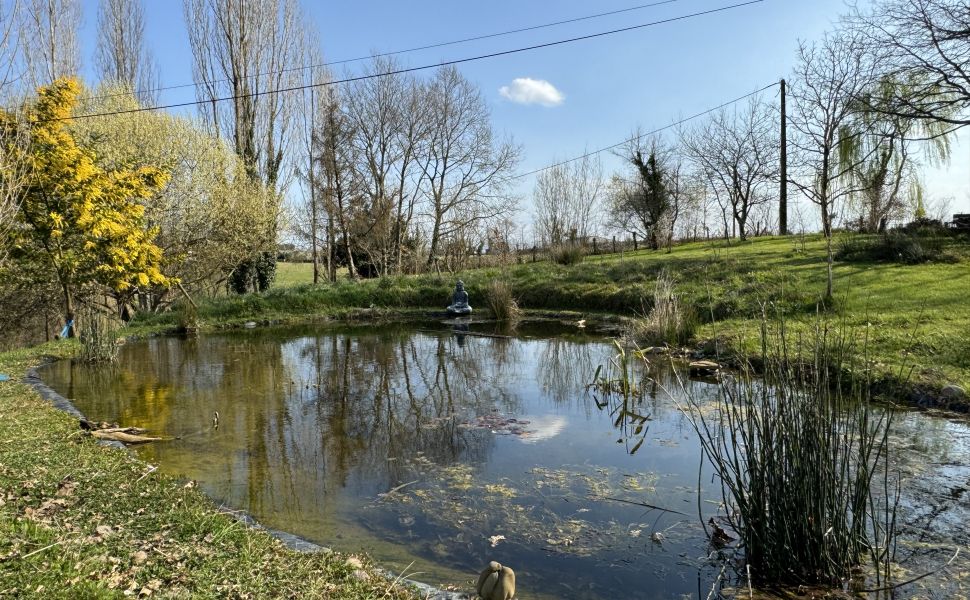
<point>879,156</point>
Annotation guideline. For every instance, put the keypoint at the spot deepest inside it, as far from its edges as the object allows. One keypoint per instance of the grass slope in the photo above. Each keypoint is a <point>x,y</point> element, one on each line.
<point>916,317</point>
<point>79,520</point>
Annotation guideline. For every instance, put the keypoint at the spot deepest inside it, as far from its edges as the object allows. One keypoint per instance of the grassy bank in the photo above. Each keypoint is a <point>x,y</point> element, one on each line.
<point>79,520</point>
<point>916,317</point>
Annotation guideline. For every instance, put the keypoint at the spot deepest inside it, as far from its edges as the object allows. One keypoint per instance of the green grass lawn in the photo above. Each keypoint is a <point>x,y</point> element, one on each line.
<point>916,318</point>
<point>289,274</point>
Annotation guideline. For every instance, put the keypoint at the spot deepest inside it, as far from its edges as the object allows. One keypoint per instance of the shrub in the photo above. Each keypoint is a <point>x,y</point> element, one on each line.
<point>567,254</point>
<point>501,301</point>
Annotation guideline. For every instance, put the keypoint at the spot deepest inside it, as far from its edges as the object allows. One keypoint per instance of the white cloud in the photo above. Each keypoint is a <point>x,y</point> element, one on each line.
<point>525,90</point>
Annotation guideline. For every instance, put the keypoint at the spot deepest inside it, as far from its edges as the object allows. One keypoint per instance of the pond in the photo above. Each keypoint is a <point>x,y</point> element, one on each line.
<point>435,451</point>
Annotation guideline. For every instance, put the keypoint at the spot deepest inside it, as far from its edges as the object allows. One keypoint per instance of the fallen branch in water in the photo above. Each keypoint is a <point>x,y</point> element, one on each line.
<point>396,489</point>
<point>125,438</point>
<point>643,504</point>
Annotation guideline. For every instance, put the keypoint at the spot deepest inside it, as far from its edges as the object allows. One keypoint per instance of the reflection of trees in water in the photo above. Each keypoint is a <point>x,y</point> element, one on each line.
<point>564,368</point>
<point>359,404</point>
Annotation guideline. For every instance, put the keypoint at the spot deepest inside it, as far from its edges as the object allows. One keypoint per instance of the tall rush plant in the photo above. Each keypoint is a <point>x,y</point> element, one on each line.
<point>797,455</point>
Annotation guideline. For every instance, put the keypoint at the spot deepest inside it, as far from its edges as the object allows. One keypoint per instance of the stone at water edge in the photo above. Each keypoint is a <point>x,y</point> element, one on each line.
<point>496,583</point>
<point>953,392</point>
<point>704,367</point>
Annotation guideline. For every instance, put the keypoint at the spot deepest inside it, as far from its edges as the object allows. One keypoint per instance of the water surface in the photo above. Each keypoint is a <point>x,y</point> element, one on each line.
<point>436,452</point>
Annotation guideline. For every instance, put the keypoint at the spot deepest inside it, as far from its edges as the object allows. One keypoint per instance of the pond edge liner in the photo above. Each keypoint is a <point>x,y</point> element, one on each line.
<point>290,540</point>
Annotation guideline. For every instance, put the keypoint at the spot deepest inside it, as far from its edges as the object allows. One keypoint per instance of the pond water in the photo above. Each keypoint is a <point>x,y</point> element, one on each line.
<point>435,452</point>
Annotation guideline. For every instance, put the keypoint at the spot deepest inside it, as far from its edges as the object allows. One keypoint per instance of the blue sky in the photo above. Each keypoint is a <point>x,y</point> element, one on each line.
<point>647,77</point>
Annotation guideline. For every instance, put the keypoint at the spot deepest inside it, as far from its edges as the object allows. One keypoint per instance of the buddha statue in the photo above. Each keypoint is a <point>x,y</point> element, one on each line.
<point>459,301</point>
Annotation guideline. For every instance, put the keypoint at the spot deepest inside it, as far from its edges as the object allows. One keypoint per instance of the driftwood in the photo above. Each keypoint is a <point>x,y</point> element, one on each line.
<point>121,436</point>
<point>704,368</point>
<point>126,435</point>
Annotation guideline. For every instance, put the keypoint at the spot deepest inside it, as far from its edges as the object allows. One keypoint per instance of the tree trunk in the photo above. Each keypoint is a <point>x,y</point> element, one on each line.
<point>435,232</point>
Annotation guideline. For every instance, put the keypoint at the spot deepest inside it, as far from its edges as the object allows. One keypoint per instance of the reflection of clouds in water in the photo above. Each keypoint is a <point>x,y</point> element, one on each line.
<point>542,428</point>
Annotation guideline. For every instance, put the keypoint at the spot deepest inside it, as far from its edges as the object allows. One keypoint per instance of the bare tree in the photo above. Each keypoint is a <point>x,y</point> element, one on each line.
<point>312,216</point>
<point>830,77</point>
<point>48,37</point>
<point>374,108</point>
<point>567,199</point>
<point>465,169</point>
<point>412,133</point>
<point>339,186</point>
<point>11,69</point>
<point>925,50</point>
<point>643,204</point>
<point>122,56</point>
<point>248,50</point>
<point>736,150</point>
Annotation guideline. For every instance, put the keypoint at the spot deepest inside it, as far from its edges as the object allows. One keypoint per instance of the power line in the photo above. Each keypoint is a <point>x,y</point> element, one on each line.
<point>396,52</point>
<point>643,135</point>
<point>413,69</point>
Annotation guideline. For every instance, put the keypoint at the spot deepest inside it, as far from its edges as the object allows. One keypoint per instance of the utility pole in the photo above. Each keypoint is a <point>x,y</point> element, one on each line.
<point>783,193</point>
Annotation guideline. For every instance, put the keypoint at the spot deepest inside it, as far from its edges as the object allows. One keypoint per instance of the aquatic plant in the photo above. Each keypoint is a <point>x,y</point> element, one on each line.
<point>668,321</point>
<point>98,337</point>
<point>501,301</point>
<point>800,456</point>
<point>621,395</point>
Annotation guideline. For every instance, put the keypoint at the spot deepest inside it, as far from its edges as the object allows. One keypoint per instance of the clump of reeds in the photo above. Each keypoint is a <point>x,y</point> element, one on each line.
<point>99,338</point>
<point>668,321</point>
<point>567,254</point>
<point>800,456</point>
<point>501,301</point>
<point>619,376</point>
<point>188,318</point>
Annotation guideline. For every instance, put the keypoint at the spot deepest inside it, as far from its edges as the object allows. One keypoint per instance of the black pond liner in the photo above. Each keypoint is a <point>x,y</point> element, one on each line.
<point>291,541</point>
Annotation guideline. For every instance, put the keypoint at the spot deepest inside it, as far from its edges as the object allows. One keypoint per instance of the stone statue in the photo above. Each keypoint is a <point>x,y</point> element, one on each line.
<point>496,583</point>
<point>459,301</point>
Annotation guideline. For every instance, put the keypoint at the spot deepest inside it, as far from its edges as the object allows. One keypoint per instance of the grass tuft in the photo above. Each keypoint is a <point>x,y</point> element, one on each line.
<point>669,321</point>
<point>501,301</point>
<point>567,254</point>
<point>99,338</point>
